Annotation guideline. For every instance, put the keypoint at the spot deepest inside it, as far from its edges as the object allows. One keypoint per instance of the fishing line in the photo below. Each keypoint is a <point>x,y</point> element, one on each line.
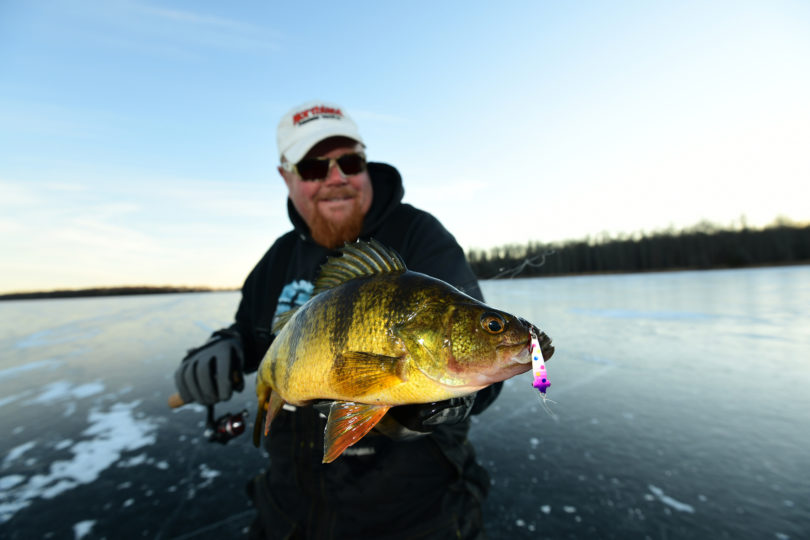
<point>546,400</point>
<point>535,261</point>
<point>529,262</point>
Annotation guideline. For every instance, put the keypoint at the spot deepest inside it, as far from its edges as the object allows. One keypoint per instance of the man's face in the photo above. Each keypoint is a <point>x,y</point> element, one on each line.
<point>333,208</point>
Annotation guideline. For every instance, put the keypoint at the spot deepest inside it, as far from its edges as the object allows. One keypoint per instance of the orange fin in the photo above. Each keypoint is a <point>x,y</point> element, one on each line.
<point>347,423</point>
<point>273,406</point>
<point>357,373</point>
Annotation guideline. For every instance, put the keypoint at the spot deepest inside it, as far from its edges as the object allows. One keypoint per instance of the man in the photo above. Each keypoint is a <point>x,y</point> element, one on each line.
<point>419,478</point>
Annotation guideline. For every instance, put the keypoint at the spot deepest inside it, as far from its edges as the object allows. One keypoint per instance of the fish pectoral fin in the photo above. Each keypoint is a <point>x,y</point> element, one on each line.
<point>270,409</point>
<point>348,422</point>
<point>282,319</point>
<point>360,373</point>
<point>273,406</point>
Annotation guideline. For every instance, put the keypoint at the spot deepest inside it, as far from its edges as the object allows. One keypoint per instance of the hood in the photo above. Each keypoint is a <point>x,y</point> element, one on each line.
<point>386,184</point>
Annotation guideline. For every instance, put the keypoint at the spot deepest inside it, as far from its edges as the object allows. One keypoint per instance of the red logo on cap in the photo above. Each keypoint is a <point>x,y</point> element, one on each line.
<point>318,111</point>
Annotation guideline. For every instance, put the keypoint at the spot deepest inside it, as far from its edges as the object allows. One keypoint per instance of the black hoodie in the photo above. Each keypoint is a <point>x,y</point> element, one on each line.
<point>429,485</point>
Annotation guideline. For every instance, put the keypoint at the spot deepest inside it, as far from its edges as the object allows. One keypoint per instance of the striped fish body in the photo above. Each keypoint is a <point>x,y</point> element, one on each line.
<point>376,335</point>
<point>350,343</point>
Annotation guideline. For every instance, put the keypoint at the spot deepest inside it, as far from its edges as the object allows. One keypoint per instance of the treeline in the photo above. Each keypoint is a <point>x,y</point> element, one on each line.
<point>704,246</point>
<point>102,291</point>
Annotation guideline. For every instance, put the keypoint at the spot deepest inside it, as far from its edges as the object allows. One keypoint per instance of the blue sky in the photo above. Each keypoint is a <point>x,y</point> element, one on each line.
<point>137,138</point>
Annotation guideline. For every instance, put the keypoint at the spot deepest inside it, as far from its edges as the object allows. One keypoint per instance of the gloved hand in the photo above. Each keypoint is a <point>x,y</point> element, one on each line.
<point>409,421</point>
<point>422,418</point>
<point>211,373</point>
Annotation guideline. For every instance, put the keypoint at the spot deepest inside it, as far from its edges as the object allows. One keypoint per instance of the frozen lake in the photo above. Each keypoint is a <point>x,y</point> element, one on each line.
<point>681,410</point>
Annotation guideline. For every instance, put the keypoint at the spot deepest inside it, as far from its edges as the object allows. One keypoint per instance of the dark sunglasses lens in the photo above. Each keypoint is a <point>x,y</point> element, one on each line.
<point>351,164</point>
<point>313,169</point>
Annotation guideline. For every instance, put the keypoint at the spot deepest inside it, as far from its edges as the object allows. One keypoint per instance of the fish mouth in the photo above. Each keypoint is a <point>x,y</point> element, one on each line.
<point>520,347</point>
<point>516,360</point>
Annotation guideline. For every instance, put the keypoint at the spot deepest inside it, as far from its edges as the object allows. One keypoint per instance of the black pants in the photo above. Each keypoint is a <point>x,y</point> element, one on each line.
<point>271,522</point>
<point>428,488</point>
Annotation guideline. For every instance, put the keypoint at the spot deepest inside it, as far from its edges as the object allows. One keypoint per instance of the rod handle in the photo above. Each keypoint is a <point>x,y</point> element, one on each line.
<point>176,401</point>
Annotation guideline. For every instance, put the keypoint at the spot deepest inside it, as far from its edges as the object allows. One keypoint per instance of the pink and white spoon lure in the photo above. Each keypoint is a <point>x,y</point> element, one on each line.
<point>541,381</point>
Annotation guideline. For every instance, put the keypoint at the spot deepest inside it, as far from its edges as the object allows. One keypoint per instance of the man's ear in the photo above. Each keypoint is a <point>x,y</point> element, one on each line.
<point>285,174</point>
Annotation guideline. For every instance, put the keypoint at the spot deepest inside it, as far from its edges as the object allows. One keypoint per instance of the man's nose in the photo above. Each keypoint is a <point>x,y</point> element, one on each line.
<point>334,175</point>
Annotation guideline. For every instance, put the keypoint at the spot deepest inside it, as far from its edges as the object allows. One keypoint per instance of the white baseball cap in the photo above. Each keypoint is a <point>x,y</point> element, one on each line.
<point>308,124</point>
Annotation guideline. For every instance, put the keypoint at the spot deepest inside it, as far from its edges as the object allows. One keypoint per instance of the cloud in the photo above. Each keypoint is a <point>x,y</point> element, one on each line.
<point>223,199</point>
<point>434,193</point>
<point>156,230</point>
<point>189,17</point>
<point>65,186</point>
<point>16,194</point>
<point>50,119</point>
<point>192,27</point>
<point>104,238</point>
<point>385,118</point>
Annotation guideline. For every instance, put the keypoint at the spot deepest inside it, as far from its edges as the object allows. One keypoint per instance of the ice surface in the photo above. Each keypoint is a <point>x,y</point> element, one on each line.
<point>639,314</point>
<point>142,459</point>
<point>208,475</point>
<point>134,461</point>
<point>61,390</point>
<point>69,333</point>
<point>7,482</point>
<point>83,528</point>
<point>61,445</point>
<point>15,453</point>
<point>112,432</point>
<point>9,399</point>
<point>659,367</point>
<point>40,364</point>
<point>669,501</point>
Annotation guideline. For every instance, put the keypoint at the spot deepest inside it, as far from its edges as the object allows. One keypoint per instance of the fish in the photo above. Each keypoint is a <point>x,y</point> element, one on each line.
<point>375,335</point>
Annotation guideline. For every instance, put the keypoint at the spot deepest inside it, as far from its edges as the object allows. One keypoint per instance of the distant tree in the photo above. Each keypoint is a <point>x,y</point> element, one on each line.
<point>704,245</point>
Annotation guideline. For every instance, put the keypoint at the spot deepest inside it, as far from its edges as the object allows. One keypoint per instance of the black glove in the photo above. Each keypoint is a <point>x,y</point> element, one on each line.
<point>410,421</point>
<point>422,418</point>
<point>211,373</point>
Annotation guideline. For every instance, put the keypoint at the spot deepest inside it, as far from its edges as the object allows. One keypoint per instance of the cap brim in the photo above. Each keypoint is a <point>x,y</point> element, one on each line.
<point>297,151</point>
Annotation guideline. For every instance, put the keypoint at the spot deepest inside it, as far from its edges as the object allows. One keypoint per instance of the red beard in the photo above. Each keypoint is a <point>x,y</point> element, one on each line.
<point>333,234</point>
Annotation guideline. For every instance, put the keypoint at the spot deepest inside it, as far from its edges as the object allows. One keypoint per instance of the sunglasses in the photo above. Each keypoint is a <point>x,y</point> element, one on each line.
<point>312,169</point>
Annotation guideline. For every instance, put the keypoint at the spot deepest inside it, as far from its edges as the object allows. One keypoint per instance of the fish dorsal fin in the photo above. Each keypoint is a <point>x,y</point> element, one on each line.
<point>359,259</point>
<point>282,319</point>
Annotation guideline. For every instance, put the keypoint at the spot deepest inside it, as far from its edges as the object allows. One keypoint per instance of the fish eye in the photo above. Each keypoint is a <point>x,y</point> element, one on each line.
<point>493,323</point>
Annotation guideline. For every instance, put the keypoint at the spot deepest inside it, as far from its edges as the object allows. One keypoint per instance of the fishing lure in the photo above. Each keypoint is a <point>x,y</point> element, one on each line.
<point>541,381</point>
